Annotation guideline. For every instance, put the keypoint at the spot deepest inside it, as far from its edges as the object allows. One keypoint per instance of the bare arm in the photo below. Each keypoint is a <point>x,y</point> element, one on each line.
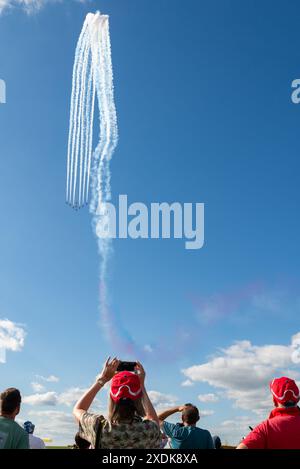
<point>242,446</point>
<point>84,403</point>
<point>147,404</point>
<point>148,407</point>
<point>164,415</point>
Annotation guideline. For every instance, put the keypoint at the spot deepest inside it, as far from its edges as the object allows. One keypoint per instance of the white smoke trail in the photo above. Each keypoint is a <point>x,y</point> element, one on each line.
<point>93,83</point>
<point>73,135</point>
<point>93,77</point>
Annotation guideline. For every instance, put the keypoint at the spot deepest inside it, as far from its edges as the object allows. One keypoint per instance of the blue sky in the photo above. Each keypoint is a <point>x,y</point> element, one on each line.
<point>203,96</point>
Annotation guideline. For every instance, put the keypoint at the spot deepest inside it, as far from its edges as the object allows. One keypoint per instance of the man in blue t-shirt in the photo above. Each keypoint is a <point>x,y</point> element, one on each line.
<point>185,435</point>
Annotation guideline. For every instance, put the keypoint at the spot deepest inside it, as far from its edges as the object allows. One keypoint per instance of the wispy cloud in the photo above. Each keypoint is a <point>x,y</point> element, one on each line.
<point>233,430</point>
<point>37,387</point>
<point>57,425</point>
<point>206,413</point>
<point>30,6</point>
<point>161,400</point>
<point>210,397</point>
<point>48,379</point>
<point>70,396</point>
<point>47,398</point>
<point>187,383</point>
<point>52,398</point>
<point>12,337</point>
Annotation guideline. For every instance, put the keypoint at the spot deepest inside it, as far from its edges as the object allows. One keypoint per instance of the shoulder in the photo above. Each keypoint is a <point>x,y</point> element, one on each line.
<point>257,438</point>
<point>15,425</point>
<point>90,419</point>
<point>174,429</point>
<point>203,431</point>
<point>18,429</point>
<point>146,426</point>
<point>205,434</point>
<point>149,424</point>
<point>22,436</point>
<point>261,427</point>
<point>36,442</point>
<point>89,425</point>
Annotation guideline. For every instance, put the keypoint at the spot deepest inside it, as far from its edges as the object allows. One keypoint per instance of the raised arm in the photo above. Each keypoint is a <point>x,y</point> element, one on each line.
<point>150,412</point>
<point>164,415</point>
<point>84,403</point>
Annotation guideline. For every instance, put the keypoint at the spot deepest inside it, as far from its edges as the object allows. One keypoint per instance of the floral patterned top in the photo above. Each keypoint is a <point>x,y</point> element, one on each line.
<point>139,434</point>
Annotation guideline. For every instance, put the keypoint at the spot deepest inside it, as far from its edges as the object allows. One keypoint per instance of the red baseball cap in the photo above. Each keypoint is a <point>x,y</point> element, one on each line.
<point>125,385</point>
<point>284,390</point>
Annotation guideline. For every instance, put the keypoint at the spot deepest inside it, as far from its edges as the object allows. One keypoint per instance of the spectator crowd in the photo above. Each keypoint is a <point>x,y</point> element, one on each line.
<point>133,423</point>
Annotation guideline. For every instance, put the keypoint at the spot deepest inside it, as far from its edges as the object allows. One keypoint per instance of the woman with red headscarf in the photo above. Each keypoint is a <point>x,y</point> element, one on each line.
<point>132,421</point>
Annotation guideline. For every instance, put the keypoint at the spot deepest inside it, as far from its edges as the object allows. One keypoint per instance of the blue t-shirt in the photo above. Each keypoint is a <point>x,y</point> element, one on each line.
<point>183,437</point>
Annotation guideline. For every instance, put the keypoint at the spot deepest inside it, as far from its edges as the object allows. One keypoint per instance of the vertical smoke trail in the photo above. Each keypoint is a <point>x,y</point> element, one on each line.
<point>93,78</point>
<point>89,117</point>
<point>93,83</point>
<point>73,136</point>
<point>103,77</point>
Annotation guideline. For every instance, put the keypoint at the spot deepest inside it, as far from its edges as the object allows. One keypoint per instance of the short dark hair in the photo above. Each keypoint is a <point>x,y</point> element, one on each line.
<point>190,414</point>
<point>290,404</point>
<point>10,400</point>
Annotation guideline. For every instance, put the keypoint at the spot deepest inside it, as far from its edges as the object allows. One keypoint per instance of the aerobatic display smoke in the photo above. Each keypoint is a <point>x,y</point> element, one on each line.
<point>88,171</point>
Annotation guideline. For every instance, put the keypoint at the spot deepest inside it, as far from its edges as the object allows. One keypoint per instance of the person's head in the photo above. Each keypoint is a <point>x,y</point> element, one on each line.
<point>285,392</point>
<point>190,415</point>
<point>217,442</point>
<point>125,400</point>
<point>81,443</point>
<point>10,402</point>
<point>28,427</point>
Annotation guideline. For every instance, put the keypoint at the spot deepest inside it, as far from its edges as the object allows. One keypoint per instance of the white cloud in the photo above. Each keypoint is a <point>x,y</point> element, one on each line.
<point>48,379</point>
<point>59,426</point>
<point>187,383</point>
<point>206,413</point>
<point>37,387</point>
<point>30,6</point>
<point>210,397</point>
<point>232,431</point>
<point>47,398</point>
<point>296,348</point>
<point>244,371</point>
<point>70,396</point>
<point>160,400</point>
<point>12,337</point>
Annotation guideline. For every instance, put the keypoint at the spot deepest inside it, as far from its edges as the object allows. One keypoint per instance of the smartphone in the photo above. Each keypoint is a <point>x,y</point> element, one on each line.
<point>126,366</point>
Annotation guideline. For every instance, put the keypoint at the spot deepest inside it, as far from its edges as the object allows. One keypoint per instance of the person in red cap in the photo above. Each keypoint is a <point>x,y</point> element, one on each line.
<point>282,429</point>
<point>132,421</point>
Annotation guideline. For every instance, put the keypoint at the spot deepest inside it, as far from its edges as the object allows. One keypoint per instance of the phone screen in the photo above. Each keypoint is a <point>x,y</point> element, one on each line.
<point>126,366</point>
